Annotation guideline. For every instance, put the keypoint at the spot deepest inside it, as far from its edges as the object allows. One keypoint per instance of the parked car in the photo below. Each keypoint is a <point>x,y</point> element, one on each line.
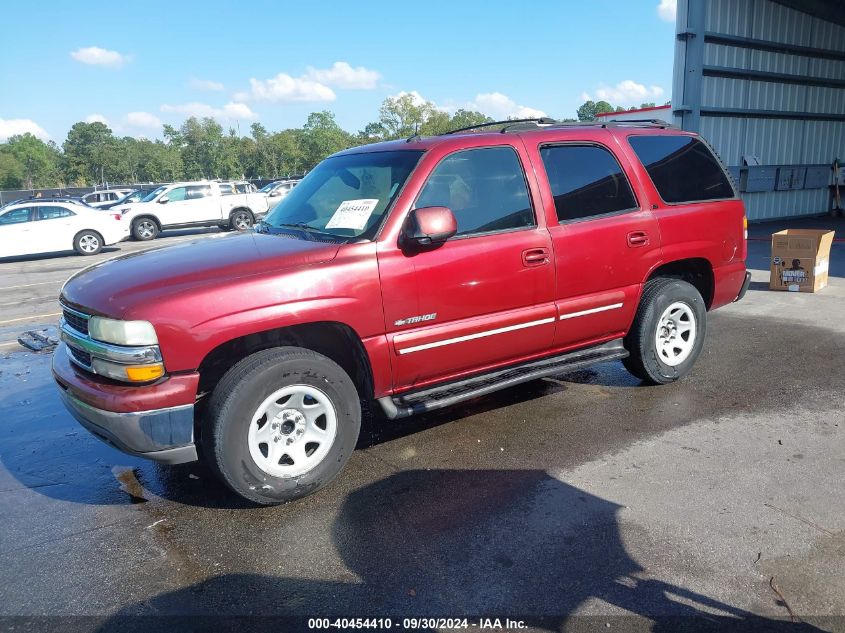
<point>105,197</point>
<point>192,204</point>
<point>277,190</point>
<point>133,196</point>
<point>34,227</point>
<point>414,275</point>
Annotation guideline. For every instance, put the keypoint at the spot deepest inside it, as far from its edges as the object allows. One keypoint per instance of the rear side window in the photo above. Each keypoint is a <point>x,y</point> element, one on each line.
<point>195,192</point>
<point>51,213</point>
<point>682,168</point>
<point>586,181</point>
<point>485,189</point>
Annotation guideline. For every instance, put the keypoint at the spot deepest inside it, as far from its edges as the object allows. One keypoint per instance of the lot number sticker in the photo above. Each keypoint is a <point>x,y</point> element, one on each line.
<point>352,214</point>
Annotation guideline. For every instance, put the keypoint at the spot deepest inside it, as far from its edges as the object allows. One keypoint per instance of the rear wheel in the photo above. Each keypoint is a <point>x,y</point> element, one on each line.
<point>241,220</point>
<point>88,243</point>
<point>144,229</point>
<point>281,424</point>
<point>668,331</point>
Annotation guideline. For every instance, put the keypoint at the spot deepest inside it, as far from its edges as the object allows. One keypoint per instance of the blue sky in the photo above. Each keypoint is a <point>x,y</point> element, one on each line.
<point>137,65</point>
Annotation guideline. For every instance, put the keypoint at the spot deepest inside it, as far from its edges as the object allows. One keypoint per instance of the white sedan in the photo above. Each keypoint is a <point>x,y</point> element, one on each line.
<point>34,227</point>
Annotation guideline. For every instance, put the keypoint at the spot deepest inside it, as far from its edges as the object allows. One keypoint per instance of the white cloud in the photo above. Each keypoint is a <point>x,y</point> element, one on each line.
<point>205,84</point>
<point>342,75</point>
<point>96,56</point>
<point>194,108</point>
<point>96,118</point>
<point>416,98</point>
<point>284,88</point>
<point>667,10</point>
<point>626,93</point>
<point>143,120</point>
<point>13,127</point>
<point>500,106</point>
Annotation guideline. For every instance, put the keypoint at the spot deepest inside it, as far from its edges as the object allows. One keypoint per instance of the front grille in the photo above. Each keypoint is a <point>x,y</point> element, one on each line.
<point>80,356</point>
<point>78,323</point>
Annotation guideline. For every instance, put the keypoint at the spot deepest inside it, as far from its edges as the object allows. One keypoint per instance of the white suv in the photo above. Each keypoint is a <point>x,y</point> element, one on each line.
<point>193,204</point>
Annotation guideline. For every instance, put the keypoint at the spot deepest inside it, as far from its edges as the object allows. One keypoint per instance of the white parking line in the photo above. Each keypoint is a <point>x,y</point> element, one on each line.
<point>43,283</point>
<point>31,318</point>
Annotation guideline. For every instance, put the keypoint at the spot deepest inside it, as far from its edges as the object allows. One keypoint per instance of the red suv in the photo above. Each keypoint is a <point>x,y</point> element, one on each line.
<point>416,274</point>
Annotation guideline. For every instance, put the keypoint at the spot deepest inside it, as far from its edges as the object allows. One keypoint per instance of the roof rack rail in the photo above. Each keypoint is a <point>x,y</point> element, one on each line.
<point>636,123</point>
<point>509,122</point>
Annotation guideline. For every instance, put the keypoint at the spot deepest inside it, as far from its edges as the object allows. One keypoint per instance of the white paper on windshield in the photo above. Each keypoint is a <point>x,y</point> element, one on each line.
<point>352,214</point>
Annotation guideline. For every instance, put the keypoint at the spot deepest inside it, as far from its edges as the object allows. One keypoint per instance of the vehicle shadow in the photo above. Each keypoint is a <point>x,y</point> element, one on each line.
<point>514,544</point>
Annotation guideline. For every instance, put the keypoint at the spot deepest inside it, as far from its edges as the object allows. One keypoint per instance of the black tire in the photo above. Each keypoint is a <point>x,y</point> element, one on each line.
<point>236,399</point>
<point>241,220</point>
<point>646,361</point>
<point>88,243</point>
<point>145,229</point>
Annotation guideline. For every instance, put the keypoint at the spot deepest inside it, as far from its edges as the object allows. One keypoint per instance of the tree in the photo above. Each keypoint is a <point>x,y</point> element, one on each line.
<point>404,116</point>
<point>40,161</point>
<point>88,152</point>
<point>322,136</point>
<point>589,110</point>
<point>11,170</point>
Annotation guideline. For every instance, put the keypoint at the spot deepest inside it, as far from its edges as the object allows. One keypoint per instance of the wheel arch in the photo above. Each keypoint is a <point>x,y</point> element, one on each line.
<point>151,216</point>
<point>333,339</point>
<point>697,271</point>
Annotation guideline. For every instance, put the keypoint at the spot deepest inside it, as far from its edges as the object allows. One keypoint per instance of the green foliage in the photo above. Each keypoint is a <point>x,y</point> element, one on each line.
<point>589,110</point>
<point>29,162</point>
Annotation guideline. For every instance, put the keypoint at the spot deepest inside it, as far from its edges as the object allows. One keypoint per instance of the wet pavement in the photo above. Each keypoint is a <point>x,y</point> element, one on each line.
<point>721,495</point>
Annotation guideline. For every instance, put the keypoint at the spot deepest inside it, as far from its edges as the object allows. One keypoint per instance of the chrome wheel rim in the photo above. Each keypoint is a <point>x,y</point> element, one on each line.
<point>675,336</point>
<point>146,229</point>
<point>89,243</point>
<point>292,431</point>
<point>242,221</point>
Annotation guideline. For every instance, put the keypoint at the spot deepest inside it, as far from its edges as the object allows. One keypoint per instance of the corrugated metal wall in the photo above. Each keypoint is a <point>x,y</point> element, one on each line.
<point>775,141</point>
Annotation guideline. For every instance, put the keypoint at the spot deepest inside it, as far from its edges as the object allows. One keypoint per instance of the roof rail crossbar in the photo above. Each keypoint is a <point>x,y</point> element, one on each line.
<point>538,121</point>
<point>637,123</point>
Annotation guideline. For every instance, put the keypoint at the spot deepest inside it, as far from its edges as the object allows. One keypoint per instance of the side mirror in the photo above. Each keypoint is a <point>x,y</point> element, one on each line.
<point>428,226</point>
<point>275,194</point>
<point>163,200</point>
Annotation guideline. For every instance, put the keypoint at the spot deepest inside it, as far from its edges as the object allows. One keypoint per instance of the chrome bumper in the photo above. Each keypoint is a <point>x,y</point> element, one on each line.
<point>163,435</point>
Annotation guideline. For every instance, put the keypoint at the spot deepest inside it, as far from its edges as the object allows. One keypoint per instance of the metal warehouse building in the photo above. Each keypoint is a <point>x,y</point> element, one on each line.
<point>764,82</point>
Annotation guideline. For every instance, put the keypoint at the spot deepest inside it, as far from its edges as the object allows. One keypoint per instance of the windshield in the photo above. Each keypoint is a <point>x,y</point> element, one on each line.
<point>346,196</point>
<point>267,188</point>
<point>153,194</point>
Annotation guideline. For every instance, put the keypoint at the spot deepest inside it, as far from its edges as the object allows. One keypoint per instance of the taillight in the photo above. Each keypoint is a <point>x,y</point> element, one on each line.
<point>117,216</point>
<point>745,225</point>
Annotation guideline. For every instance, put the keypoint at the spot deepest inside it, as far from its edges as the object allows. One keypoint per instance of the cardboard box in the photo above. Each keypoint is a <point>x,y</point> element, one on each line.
<point>800,260</point>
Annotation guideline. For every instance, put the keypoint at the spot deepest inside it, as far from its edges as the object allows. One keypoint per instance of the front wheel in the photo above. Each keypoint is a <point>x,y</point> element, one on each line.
<point>241,220</point>
<point>88,243</point>
<point>668,331</point>
<point>144,229</point>
<point>281,424</point>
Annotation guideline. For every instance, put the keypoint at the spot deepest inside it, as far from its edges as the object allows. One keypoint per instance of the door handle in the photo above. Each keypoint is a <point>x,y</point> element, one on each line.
<point>535,257</point>
<point>637,238</point>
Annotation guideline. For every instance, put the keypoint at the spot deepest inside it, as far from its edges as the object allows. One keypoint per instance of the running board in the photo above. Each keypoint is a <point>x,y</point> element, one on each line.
<point>431,398</point>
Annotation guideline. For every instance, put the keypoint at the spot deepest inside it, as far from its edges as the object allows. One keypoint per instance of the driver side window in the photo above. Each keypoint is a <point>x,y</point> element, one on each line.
<point>485,189</point>
<point>176,195</point>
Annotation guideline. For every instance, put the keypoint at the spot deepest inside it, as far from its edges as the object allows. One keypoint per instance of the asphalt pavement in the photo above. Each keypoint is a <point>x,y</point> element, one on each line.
<point>581,502</point>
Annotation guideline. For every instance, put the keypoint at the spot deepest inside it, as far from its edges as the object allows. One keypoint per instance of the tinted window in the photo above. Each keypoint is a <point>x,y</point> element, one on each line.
<point>50,213</point>
<point>15,216</point>
<point>177,195</point>
<point>682,168</point>
<point>484,188</point>
<point>198,192</point>
<point>586,181</point>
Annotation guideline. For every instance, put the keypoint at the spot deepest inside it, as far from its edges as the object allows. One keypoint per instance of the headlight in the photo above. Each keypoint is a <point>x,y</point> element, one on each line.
<point>127,373</point>
<point>122,332</point>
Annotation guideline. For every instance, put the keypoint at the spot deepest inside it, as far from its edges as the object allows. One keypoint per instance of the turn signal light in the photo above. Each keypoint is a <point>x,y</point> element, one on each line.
<point>144,373</point>
<point>745,225</point>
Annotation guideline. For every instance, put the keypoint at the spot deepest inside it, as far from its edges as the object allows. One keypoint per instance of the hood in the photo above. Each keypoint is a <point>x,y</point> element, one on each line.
<point>115,286</point>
